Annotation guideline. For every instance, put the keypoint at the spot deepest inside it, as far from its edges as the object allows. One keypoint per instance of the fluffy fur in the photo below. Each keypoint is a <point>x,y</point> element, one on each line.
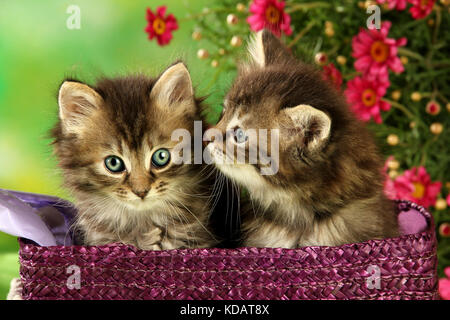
<point>131,117</point>
<point>328,189</point>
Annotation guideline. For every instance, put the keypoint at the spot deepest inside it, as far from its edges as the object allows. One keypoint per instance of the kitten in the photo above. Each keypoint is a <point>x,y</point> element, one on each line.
<point>113,142</point>
<point>328,188</point>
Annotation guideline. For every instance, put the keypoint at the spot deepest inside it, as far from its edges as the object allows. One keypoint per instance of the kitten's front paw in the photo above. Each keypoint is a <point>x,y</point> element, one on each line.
<point>150,240</point>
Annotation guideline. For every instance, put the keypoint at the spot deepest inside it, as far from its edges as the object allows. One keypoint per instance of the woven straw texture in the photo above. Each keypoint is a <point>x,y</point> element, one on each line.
<point>406,266</point>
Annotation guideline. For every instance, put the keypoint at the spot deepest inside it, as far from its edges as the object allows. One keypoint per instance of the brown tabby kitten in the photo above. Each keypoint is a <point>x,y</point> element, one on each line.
<point>113,143</point>
<point>328,188</point>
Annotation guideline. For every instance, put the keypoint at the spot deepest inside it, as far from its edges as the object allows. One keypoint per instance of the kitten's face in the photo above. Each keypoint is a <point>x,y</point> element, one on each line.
<point>114,141</point>
<point>139,176</point>
<point>280,95</point>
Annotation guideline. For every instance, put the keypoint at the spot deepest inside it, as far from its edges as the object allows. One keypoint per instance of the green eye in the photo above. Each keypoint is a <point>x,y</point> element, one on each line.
<point>114,164</point>
<point>161,157</point>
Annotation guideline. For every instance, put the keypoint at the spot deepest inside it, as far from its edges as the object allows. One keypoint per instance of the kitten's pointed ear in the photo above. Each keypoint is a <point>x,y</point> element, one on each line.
<point>310,124</point>
<point>77,102</point>
<point>174,89</point>
<point>265,48</point>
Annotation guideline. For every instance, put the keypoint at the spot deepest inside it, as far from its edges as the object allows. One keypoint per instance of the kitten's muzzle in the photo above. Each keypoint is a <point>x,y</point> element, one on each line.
<point>141,193</point>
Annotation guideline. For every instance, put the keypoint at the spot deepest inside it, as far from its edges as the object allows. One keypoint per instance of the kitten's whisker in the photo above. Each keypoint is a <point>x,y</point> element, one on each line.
<point>200,195</point>
<point>221,183</point>
<point>201,224</point>
<point>212,194</point>
<point>237,192</point>
<point>184,220</point>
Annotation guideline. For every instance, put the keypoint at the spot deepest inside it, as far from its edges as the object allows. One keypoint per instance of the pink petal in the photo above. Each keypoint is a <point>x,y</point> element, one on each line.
<point>396,65</point>
<point>254,19</point>
<point>288,30</point>
<point>365,38</point>
<point>256,25</point>
<point>171,25</point>
<point>363,63</point>
<point>365,116</point>
<point>421,172</point>
<point>434,189</point>
<point>279,5</point>
<point>447,272</point>
<point>385,106</point>
<point>444,288</point>
<point>161,11</point>
<point>254,8</point>
<point>385,26</point>
<point>402,42</point>
<point>150,16</point>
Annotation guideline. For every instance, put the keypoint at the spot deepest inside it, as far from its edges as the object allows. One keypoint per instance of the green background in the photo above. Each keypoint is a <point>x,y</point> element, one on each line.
<point>37,51</point>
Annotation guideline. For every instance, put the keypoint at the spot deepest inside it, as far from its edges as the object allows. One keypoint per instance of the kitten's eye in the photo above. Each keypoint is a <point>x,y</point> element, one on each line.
<point>114,164</point>
<point>161,158</point>
<point>240,136</point>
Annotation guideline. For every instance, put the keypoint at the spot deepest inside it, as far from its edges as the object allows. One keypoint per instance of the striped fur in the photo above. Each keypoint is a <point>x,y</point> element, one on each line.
<point>131,117</point>
<point>328,189</point>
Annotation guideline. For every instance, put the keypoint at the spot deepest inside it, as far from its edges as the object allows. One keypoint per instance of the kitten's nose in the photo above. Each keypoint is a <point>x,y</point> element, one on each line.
<point>141,193</point>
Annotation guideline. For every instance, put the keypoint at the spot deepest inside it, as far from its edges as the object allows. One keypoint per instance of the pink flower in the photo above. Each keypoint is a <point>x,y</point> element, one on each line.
<point>160,26</point>
<point>364,96</point>
<point>421,8</point>
<point>414,185</point>
<point>397,4</point>
<point>269,14</point>
<point>444,285</point>
<point>331,74</point>
<point>375,52</point>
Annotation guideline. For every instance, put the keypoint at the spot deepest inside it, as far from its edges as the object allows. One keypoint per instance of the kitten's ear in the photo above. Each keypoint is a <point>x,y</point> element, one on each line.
<point>77,102</point>
<point>174,88</point>
<point>311,124</point>
<point>265,48</point>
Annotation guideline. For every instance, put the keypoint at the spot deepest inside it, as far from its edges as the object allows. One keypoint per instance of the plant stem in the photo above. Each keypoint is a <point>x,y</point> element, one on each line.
<point>305,6</point>
<point>351,75</point>
<point>409,53</point>
<point>437,24</point>
<point>202,14</point>
<point>440,95</point>
<point>400,107</point>
<point>214,79</point>
<point>301,33</point>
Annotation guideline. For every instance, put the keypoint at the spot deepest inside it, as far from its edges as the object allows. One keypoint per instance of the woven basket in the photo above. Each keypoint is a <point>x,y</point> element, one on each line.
<point>396,268</point>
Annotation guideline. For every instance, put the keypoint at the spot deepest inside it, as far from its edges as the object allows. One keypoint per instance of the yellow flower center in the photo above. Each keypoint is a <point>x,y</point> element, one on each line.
<point>419,190</point>
<point>272,14</point>
<point>159,26</point>
<point>369,98</point>
<point>379,51</point>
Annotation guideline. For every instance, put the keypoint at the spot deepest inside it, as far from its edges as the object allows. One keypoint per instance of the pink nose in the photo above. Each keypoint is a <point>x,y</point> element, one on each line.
<point>140,193</point>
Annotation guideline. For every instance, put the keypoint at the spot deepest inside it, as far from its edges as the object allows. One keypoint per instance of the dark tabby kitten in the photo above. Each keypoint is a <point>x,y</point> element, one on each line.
<point>328,187</point>
<point>113,142</point>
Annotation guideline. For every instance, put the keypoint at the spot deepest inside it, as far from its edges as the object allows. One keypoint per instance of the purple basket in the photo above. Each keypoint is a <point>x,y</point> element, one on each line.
<point>396,268</point>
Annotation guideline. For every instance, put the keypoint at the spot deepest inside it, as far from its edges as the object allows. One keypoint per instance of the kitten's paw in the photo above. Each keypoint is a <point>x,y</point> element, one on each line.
<point>150,240</point>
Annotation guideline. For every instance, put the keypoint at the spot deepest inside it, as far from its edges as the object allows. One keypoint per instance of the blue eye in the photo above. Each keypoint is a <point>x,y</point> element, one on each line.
<point>114,164</point>
<point>161,158</point>
<point>240,136</point>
